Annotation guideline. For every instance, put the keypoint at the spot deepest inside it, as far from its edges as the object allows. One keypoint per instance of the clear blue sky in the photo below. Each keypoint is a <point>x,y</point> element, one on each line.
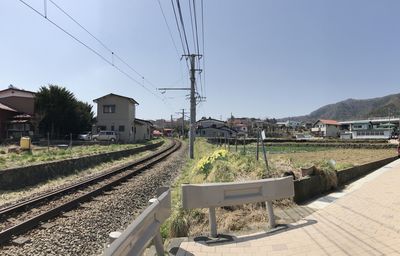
<point>264,58</point>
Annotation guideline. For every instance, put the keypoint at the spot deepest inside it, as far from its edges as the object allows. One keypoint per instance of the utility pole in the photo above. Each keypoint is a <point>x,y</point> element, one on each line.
<point>192,105</point>
<point>183,121</point>
<point>192,58</point>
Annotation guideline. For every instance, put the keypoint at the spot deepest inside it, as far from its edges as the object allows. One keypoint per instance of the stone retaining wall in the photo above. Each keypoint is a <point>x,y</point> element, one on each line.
<point>313,186</point>
<point>20,177</point>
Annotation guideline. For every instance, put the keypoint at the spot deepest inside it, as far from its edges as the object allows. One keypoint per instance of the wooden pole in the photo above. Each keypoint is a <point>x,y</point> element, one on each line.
<point>244,145</point>
<point>236,143</point>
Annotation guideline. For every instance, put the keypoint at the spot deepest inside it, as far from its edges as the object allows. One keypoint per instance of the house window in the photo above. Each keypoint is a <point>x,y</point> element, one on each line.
<point>108,109</point>
<point>102,127</point>
<point>112,128</point>
<point>121,128</point>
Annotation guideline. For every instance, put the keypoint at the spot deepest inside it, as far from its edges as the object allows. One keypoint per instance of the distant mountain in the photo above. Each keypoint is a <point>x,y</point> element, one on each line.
<point>356,109</point>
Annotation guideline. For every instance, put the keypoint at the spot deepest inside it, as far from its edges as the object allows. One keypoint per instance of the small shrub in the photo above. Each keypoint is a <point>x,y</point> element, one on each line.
<point>205,164</point>
<point>179,226</point>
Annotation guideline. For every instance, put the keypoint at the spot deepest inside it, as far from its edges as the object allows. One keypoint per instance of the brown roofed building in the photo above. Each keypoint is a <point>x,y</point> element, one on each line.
<point>17,107</point>
<point>326,128</point>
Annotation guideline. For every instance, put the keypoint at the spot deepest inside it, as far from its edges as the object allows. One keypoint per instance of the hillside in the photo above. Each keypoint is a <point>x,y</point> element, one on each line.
<point>356,109</point>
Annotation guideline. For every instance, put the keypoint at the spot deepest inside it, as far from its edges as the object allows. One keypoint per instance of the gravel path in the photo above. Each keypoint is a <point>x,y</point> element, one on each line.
<point>85,230</point>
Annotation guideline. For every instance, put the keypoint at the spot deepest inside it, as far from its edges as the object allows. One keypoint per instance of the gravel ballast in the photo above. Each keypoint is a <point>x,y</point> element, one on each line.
<point>85,230</point>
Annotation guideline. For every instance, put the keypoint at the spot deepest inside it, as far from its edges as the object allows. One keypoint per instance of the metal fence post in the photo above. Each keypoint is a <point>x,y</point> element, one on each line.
<point>158,243</point>
<point>271,216</point>
<point>213,222</point>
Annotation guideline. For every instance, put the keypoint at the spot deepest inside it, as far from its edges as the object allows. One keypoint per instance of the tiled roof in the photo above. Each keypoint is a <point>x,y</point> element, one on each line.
<point>112,94</point>
<point>327,121</point>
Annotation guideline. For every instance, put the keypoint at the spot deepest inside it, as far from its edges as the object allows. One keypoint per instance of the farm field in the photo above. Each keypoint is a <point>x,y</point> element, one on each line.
<point>214,163</point>
<point>42,154</point>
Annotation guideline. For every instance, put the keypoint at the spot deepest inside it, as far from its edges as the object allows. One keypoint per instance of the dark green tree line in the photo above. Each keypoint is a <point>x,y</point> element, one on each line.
<point>60,113</point>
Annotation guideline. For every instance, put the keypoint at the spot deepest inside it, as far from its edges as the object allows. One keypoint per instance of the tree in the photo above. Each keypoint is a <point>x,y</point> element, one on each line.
<point>61,112</point>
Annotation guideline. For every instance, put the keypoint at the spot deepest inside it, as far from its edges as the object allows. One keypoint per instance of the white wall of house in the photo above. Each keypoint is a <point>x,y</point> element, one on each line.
<point>116,113</point>
<point>143,131</point>
<point>326,130</point>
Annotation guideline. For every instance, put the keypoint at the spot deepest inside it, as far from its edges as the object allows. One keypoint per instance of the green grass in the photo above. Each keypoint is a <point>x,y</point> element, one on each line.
<point>42,154</point>
<point>251,149</point>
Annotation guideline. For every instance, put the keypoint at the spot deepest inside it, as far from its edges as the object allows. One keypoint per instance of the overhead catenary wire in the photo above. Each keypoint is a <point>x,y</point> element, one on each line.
<point>183,25</point>
<point>170,34</point>
<point>202,37</point>
<point>113,53</point>
<point>90,48</point>
<point>179,28</point>
<point>193,22</point>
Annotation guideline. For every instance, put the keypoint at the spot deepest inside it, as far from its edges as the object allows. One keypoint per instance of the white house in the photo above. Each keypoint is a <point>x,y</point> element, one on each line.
<point>326,128</point>
<point>117,113</point>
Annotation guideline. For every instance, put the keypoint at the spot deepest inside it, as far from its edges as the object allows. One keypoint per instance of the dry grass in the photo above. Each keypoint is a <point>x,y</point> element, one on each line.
<point>343,158</point>
<point>238,167</point>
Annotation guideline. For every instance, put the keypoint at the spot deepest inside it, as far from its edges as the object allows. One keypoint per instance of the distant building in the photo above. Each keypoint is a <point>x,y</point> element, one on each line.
<point>288,124</point>
<point>241,128</point>
<point>143,129</point>
<point>17,109</point>
<point>378,128</point>
<point>214,128</point>
<point>326,128</point>
<point>117,113</point>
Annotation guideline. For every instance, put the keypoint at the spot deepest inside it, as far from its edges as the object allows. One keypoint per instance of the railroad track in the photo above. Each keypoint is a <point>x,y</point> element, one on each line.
<point>18,218</point>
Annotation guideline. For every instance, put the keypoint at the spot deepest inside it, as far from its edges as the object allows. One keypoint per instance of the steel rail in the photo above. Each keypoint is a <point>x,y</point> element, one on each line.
<point>21,206</point>
<point>20,228</point>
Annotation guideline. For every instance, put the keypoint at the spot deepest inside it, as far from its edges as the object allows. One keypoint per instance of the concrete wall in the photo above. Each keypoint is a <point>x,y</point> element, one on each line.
<point>309,187</point>
<point>142,132</point>
<point>17,178</point>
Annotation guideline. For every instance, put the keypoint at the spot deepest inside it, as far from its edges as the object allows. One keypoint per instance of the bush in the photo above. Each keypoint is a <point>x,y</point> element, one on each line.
<point>179,226</point>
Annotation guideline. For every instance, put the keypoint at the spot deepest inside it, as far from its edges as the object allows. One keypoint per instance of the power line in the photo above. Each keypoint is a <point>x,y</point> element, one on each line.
<point>193,20</point>
<point>169,29</point>
<point>170,33</point>
<point>100,42</point>
<point>183,25</point>
<point>191,23</point>
<point>88,47</point>
<point>202,32</point>
<point>179,29</point>
<point>195,23</point>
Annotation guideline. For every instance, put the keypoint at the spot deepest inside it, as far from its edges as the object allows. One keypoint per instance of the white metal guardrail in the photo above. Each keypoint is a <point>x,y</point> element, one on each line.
<point>227,194</point>
<point>146,227</point>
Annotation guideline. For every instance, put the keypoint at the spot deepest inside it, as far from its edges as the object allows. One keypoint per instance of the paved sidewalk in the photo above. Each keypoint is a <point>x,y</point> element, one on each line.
<point>364,220</point>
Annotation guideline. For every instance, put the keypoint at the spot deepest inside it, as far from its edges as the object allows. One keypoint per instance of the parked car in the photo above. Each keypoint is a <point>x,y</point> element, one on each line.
<point>85,136</point>
<point>106,136</point>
